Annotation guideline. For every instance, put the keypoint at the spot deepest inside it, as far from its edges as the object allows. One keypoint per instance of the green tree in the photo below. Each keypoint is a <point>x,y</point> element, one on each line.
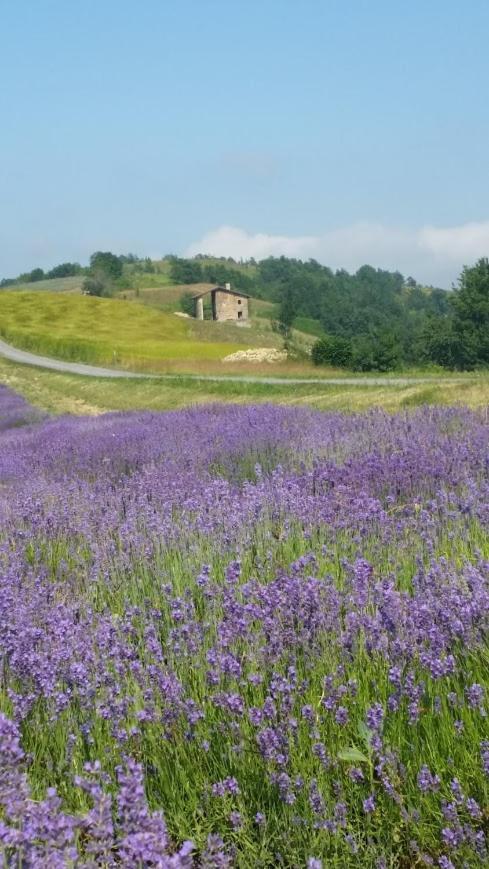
<point>96,287</point>
<point>443,345</point>
<point>470,305</point>
<point>104,264</point>
<point>332,350</point>
<point>287,312</point>
<point>185,271</point>
<point>378,351</point>
<point>37,275</point>
<point>64,270</point>
<point>32,277</point>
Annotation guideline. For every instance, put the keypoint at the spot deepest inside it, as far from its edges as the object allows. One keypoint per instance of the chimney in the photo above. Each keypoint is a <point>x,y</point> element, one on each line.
<point>227,286</point>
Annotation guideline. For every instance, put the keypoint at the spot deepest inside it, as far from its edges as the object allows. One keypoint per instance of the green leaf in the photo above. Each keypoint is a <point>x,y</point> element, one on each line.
<point>364,733</point>
<point>352,755</point>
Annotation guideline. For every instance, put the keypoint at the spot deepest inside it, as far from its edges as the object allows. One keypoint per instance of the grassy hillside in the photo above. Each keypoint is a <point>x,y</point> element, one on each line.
<point>262,313</point>
<point>168,297</point>
<point>55,285</point>
<point>105,331</point>
<point>135,274</point>
<point>156,290</point>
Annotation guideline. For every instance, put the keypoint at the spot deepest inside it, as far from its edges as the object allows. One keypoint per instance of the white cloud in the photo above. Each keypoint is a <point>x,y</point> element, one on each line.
<point>469,241</point>
<point>431,254</point>
<point>231,241</point>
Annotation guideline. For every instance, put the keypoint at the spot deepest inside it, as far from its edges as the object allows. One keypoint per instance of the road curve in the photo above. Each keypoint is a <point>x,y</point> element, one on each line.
<point>25,358</point>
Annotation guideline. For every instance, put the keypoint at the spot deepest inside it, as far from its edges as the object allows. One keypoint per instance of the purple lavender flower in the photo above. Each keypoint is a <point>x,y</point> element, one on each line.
<point>341,715</point>
<point>308,713</point>
<point>452,837</point>
<point>236,820</point>
<point>473,809</point>
<point>356,774</point>
<point>484,750</point>
<point>427,781</point>
<point>119,623</point>
<point>445,863</point>
<point>226,786</point>
<point>475,696</point>
<point>369,804</point>
<point>375,717</point>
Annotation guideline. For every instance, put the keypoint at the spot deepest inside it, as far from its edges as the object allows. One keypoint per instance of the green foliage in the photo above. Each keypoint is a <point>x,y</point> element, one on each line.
<point>470,304</point>
<point>31,277</point>
<point>378,351</point>
<point>375,352</point>
<point>105,274</point>
<point>106,264</point>
<point>353,306</point>
<point>37,275</point>
<point>305,324</point>
<point>444,346</point>
<point>320,301</point>
<point>97,286</point>
<point>460,340</point>
<point>287,312</point>
<point>187,304</point>
<point>221,273</point>
<point>185,271</point>
<point>65,270</point>
<point>332,350</point>
<point>103,331</point>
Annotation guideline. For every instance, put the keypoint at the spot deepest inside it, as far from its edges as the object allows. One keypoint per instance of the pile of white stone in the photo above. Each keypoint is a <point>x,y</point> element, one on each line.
<point>257,354</point>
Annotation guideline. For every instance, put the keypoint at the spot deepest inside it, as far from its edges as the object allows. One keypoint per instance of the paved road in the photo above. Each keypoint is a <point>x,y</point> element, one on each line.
<point>26,358</point>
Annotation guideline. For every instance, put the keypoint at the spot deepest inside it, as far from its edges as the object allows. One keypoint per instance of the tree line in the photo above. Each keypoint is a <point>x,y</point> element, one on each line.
<point>450,331</point>
<point>63,270</point>
<point>102,273</point>
<point>372,319</point>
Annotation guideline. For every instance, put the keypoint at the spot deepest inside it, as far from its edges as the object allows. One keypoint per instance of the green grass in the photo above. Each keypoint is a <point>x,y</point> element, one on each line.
<point>55,285</point>
<point>136,331</point>
<point>180,772</point>
<point>65,393</point>
<point>309,326</point>
<point>162,297</point>
<point>105,331</point>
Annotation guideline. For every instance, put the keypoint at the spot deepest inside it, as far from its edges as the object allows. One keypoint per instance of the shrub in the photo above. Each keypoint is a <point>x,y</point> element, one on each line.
<point>97,287</point>
<point>375,352</point>
<point>187,304</point>
<point>332,350</point>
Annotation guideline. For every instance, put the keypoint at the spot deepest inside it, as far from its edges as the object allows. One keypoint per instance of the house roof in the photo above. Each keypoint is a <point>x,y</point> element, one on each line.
<point>221,290</point>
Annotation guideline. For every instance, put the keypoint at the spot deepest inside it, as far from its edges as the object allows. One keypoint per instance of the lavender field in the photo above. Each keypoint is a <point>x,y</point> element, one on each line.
<point>248,637</point>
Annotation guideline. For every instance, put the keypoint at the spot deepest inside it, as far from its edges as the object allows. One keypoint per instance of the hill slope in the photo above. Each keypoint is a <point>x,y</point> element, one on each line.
<point>105,331</point>
<point>53,285</point>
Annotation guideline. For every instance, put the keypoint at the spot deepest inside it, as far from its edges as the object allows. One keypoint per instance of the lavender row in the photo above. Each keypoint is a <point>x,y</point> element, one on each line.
<point>244,635</point>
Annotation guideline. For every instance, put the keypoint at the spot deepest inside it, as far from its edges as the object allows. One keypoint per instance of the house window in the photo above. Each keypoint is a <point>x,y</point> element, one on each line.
<point>239,301</point>
<point>240,314</point>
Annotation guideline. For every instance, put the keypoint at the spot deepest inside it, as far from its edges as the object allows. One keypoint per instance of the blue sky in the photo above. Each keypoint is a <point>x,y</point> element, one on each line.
<point>349,131</point>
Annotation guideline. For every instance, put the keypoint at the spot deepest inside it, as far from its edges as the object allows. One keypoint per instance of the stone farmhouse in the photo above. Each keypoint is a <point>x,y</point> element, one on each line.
<point>227,304</point>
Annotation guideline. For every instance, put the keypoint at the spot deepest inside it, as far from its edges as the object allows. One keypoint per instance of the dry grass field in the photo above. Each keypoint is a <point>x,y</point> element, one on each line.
<point>65,393</point>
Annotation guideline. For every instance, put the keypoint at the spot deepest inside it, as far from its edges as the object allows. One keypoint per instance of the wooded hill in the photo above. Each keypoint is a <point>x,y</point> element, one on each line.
<point>373,319</point>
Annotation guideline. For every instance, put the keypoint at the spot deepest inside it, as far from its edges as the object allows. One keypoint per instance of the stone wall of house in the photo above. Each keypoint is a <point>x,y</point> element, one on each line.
<point>229,306</point>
